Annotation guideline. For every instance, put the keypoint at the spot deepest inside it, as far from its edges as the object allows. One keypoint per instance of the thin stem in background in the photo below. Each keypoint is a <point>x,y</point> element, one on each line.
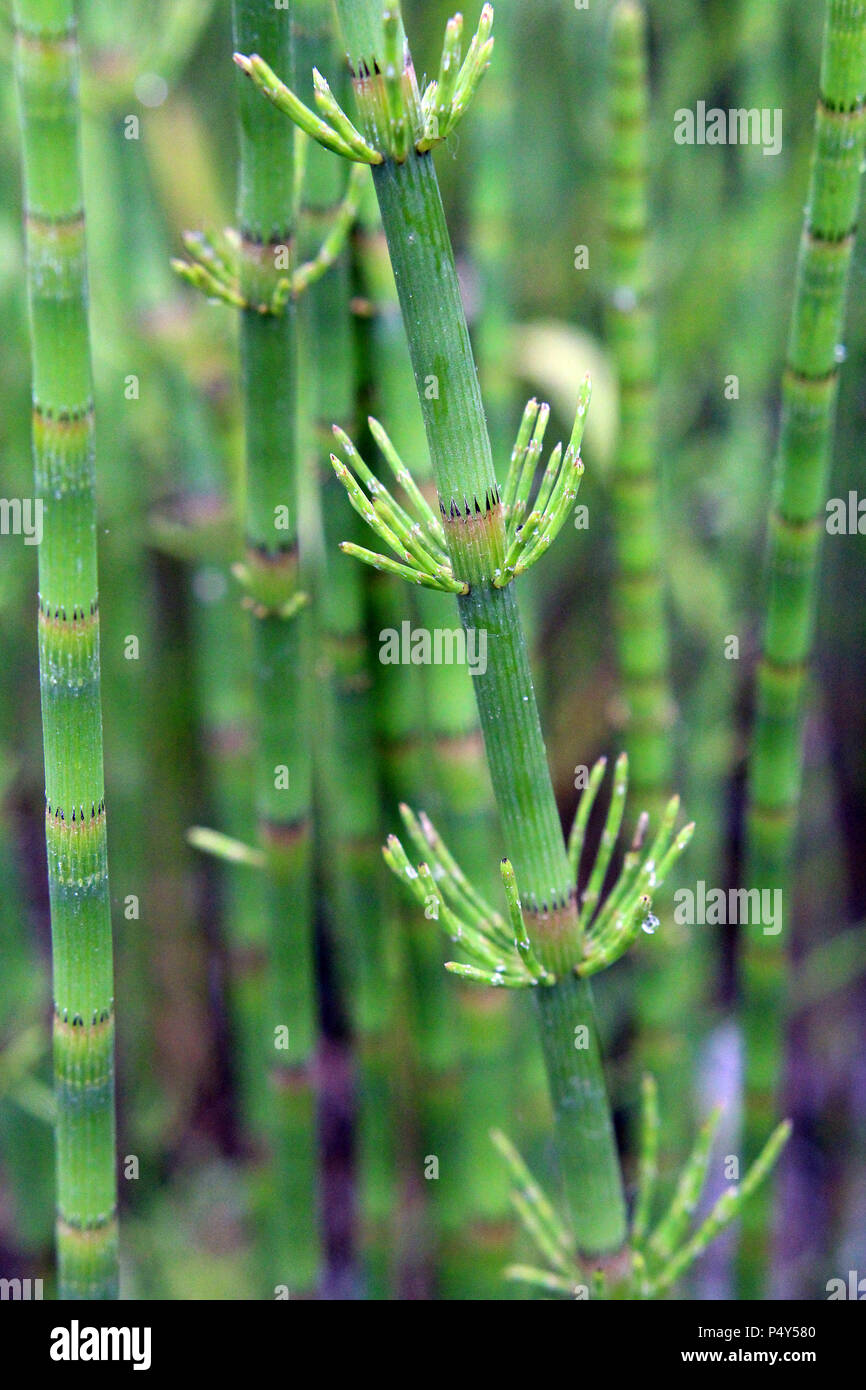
<point>346,755</point>
<point>669,980</point>
<point>282,771</point>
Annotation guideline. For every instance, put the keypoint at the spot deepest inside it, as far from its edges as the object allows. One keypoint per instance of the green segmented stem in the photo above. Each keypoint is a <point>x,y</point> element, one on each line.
<point>491,232</point>
<point>474,1205</point>
<point>401,700</point>
<point>642,638</point>
<point>491,244</point>
<point>463,1042</point>
<point>351,826</point>
<point>132,281</point>
<point>445,374</point>
<point>266,225</point>
<point>46,67</point>
<point>809,389</point>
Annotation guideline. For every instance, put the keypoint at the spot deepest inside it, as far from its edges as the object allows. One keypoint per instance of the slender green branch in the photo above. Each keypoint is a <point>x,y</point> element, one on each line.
<point>46,65</point>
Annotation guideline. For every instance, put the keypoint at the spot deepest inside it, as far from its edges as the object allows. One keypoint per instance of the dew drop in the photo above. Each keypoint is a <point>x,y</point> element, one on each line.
<point>649,924</point>
<point>624,299</point>
<point>840,352</point>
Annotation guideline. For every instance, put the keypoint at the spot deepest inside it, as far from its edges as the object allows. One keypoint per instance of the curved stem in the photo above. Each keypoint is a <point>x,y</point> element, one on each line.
<point>447,383</point>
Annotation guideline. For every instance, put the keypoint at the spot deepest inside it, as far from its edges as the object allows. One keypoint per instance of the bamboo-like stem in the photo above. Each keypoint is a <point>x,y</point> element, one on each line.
<point>348,845</point>
<point>445,374</point>
<point>472,1200</point>
<point>127,258</point>
<point>639,591</point>
<point>463,1035</point>
<point>46,65</point>
<point>809,390</point>
<point>430,1104</point>
<point>266,218</point>
<point>494,249</point>
<point>642,637</point>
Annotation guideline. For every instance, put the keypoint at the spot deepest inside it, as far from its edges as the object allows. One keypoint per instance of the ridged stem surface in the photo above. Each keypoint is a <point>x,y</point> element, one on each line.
<point>809,390</point>
<point>446,378</point>
<point>349,849</point>
<point>665,1003</point>
<point>266,224</point>
<point>641,624</point>
<point>464,1036</point>
<point>46,65</point>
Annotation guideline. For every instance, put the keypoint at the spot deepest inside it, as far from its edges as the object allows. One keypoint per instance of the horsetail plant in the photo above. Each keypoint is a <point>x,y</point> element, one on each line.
<point>259,281</point>
<point>492,245</point>
<point>432,747</point>
<point>500,951</point>
<point>270,574</point>
<point>474,548</point>
<point>641,626</point>
<point>809,390</point>
<point>642,639</point>
<point>472,527</point>
<point>46,66</point>
<point>659,1258</point>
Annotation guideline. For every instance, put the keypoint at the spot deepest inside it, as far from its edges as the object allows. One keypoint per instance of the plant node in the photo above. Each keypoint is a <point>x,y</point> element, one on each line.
<point>650,1265</point>
<point>414,533</point>
<point>270,583</point>
<point>215,267</point>
<point>499,952</point>
<point>503,954</point>
<point>527,537</point>
<point>398,119</point>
